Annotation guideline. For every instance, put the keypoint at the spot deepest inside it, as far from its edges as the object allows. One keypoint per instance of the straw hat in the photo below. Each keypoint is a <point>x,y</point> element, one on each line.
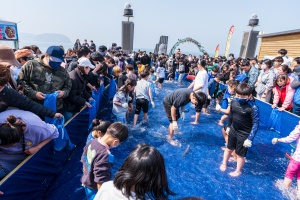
<point>7,55</point>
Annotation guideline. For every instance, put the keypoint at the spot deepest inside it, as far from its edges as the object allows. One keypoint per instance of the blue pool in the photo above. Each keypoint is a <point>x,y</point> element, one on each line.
<point>193,168</point>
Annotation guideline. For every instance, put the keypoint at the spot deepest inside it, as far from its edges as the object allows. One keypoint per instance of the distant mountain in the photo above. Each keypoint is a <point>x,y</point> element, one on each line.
<point>44,40</point>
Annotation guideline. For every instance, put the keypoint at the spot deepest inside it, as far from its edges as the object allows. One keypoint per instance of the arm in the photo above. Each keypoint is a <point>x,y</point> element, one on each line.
<point>225,111</point>
<point>230,116</point>
<point>150,94</point>
<point>294,135</point>
<point>255,122</point>
<point>276,97</point>
<point>24,79</point>
<point>33,150</point>
<point>173,113</point>
<point>191,85</point>
<point>289,97</point>
<point>67,86</point>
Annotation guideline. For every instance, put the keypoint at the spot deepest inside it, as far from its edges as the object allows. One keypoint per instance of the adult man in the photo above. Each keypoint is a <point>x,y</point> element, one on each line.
<point>103,50</point>
<point>85,43</point>
<point>286,60</point>
<point>93,44</point>
<point>173,101</point>
<point>200,84</point>
<point>250,71</point>
<point>45,76</point>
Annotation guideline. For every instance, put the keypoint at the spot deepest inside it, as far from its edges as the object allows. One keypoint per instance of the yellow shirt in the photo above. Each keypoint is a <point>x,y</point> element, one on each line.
<point>141,68</point>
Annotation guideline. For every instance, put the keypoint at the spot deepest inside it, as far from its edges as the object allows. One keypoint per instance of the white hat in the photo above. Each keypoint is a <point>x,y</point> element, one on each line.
<point>85,62</point>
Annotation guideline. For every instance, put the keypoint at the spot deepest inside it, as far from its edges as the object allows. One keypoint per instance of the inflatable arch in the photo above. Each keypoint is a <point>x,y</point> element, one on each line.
<point>188,39</point>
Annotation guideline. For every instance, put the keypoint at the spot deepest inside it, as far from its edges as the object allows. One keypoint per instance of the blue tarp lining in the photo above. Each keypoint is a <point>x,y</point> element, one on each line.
<point>49,174</point>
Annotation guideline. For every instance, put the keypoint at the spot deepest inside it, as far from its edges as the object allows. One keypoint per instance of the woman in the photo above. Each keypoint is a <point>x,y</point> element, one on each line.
<point>284,69</point>
<point>265,81</point>
<point>225,74</point>
<point>22,133</point>
<point>283,93</point>
<point>142,176</point>
<point>78,96</point>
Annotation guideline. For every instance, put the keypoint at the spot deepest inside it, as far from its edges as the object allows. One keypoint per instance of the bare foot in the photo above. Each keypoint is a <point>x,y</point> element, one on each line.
<point>223,167</point>
<point>194,123</point>
<point>235,174</point>
<point>206,113</point>
<point>173,142</point>
<point>220,123</point>
<point>223,148</point>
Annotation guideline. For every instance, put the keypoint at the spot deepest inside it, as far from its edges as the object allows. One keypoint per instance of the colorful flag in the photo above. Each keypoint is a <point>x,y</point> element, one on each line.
<point>217,51</point>
<point>228,40</point>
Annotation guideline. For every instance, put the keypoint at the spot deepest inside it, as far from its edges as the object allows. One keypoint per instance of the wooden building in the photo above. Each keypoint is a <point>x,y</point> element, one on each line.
<point>272,42</point>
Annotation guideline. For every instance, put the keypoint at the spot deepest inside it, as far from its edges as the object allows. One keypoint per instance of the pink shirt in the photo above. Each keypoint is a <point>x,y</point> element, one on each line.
<point>294,135</point>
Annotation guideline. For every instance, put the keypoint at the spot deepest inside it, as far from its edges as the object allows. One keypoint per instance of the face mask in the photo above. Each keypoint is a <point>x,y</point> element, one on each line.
<point>54,65</point>
<point>263,66</point>
<point>241,101</point>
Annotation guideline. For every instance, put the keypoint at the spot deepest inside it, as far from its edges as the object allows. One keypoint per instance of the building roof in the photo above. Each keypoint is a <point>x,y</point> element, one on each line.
<point>279,33</point>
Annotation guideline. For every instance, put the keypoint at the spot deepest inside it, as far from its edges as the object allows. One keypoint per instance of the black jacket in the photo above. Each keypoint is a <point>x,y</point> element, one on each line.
<point>10,97</point>
<point>78,94</point>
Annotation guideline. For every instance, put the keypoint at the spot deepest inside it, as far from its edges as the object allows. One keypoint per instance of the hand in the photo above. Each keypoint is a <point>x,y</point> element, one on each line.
<point>58,115</point>
<point>1,193</point>
<point>281,109</point>
<point>208,97</point>
<point>94,88</point>
<point>247,143</point>
<point>88,104</point>
<point>175,126</point>
<point>274,140</point>
<point>40,96</point>
<point>125,105</point>
<point>153,104</point>
<point>182,116</point>
<point>91,99</point>
<point>274,106</point>
<point>61,94</point>
<point>218,107</point>
<point>228,130</point>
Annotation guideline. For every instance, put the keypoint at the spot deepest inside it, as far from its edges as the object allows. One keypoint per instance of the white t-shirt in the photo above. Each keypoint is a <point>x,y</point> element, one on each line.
<point>160,72</point>
<point>202,80</point>
<point>109,192</point>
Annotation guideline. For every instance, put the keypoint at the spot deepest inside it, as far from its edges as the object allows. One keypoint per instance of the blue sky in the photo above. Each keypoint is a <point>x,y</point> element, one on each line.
<point>205,21</point>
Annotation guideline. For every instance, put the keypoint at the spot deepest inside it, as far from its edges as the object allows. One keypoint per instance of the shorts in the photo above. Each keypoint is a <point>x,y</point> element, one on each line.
<point>236,144</point>
<point>293,169</point>
<point>141,104</point>
<point>167,108</point>
<point>161,80</point>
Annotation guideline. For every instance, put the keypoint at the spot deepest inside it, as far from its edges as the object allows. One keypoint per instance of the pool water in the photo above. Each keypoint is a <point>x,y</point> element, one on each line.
<point>193,167</point>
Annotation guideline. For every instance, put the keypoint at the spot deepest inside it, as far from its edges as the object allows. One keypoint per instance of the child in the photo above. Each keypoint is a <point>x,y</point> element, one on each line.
<point>294,165</point>
<point>142,176</point>
<point>152,77</point>
<point>98,129</point>
<point>225,103</point>
<point>161,74</point>
<point>170,71</point>
<point>143,96</point>
<point>181,70</point>
<point>242,127</point>
<point>97,159</point>
<point>283,93</point>
<point>121,100</point>
<point>213,87</point>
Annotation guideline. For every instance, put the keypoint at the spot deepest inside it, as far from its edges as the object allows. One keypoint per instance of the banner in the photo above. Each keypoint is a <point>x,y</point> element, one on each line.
<point>217,51</point>
<point>8,31</point>
<point>228,40</point>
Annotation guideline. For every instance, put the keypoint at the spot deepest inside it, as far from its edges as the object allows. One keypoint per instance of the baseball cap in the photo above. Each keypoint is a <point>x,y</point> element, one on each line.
<point>85,62</point>
<point>56,53</point>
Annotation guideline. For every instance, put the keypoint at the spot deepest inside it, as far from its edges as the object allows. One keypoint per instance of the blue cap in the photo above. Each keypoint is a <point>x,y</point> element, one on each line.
<point>56,53</point>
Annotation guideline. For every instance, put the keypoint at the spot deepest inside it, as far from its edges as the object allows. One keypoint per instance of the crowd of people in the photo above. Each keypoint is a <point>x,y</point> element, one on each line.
<point>230,84</point>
